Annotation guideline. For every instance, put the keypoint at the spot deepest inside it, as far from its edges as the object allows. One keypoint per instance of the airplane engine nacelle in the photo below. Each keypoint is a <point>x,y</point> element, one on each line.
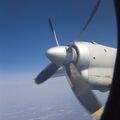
<point>95,63</point>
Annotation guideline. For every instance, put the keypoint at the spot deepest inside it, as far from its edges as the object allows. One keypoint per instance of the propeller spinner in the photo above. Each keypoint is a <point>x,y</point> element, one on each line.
<point>60,55</point>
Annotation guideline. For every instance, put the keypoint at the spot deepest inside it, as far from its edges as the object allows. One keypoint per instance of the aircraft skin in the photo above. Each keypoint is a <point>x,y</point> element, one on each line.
<point>95,63</point>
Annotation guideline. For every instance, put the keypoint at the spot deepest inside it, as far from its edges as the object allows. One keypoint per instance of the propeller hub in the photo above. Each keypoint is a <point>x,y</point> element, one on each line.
<point>60,55</point>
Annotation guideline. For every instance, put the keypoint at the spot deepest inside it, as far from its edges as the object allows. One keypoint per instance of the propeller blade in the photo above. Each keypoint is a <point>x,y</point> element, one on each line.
<point>82,90</point>
<point>91,15</point>
<point>46,73</point>
<point>53,31</point>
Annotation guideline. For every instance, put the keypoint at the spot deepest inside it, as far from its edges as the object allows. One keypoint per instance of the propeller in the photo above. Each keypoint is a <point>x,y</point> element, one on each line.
<point>66,57</point>
<point>79,86</point>
<point>97,4</point>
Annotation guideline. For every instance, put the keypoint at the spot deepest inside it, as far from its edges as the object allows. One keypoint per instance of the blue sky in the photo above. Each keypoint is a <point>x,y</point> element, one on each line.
<point>25,33</point>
